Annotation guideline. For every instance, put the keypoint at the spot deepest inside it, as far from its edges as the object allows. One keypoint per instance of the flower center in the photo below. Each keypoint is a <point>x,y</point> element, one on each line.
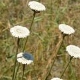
<point>19,31</point>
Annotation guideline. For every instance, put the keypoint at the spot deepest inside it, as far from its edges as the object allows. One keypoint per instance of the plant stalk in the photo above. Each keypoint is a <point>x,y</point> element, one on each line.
<point>66,67</point>
<point>23,71</point>
<point>15,59</point>
<point>29,29</point>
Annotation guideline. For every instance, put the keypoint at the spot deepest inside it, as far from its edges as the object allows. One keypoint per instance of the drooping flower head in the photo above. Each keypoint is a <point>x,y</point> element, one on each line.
<point>25,58</point>
<point>36,6</point>
<point>56,79</point>
<point>66,29</point>
<point>73,51</point>
<point>19,31</point>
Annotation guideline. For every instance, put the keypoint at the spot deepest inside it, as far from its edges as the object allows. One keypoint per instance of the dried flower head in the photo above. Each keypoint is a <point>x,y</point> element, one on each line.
<point>19,31</point>
<point>25,58</point>
<point>66,29</point>
<point>36,6</point>
<point>73,50</point>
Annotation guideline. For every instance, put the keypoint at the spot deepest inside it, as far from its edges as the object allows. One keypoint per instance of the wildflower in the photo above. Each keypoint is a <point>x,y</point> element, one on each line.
<point>66,29</point>
<point>19,31</point>
<point>25,58</point>
<point>73,50</point>
<point>56,79</point>
<point>36,6</point>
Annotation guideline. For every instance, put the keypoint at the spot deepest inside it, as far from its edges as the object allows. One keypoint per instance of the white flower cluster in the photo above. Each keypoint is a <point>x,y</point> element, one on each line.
<point>73,51</point>
<point>36,6</point>
<point>66,29</point>
<point>19,31</point>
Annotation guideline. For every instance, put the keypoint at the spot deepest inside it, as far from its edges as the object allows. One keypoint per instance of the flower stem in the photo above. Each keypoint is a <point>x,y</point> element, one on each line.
<point>23,71</point>
<point>15,59</point>
<point>29,29</point>
<point>32,20</point>
<point>16,71</point>
<point>66,67</point>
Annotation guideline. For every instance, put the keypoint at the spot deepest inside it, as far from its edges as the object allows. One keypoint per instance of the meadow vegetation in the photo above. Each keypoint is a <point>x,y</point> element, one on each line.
<point>44,42</point>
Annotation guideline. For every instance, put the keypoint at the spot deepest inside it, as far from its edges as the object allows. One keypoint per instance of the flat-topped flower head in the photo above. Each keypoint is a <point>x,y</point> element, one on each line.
<point>36,6</point>
<point>25,58</point>
<point>73,51</point>
<point>19,31</point>
<point>56,79</point>
<point>66,29</point>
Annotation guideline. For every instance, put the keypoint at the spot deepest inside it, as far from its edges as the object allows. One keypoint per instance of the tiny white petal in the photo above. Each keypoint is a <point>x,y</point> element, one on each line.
<point>66,29</point>
<point>37,6</point>
<point>23,60</point>
<point>19,31</point>
<point>56,79</point>
<point>73,51</point>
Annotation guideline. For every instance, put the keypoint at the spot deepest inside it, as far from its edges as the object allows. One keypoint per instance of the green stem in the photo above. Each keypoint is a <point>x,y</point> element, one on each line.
<point>66,67</point>
<point>29,29</point>
<point>15,59</point>
<point>32,20</point>
<point>23,71</point>
<point>16,71</point>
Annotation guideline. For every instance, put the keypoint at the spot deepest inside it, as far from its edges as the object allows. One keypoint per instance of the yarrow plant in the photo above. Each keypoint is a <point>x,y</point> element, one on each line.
<point>66,29</point>
<point>36,6</point>
<point>19,31</point>
<point>73,51</point>
<point>56,78</point>
<point>25,58</point>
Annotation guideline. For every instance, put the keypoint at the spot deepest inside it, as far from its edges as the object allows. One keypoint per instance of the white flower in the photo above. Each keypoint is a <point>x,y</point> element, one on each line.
<point>73,51</point>
<point>34,5</point>
<point>66,29</point>
<point>56,79</point>
<point>19,31</point>
<point>24,58</point>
